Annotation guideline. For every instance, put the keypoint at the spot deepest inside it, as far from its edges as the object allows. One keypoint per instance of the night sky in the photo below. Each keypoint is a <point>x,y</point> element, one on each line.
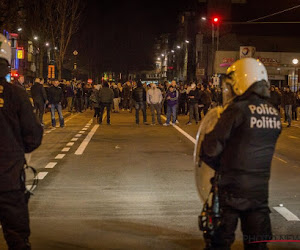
<point>119,35</point>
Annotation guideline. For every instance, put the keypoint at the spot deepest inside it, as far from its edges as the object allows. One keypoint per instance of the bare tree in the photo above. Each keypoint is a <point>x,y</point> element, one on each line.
<point>63,16</point>
<point>37,24</point>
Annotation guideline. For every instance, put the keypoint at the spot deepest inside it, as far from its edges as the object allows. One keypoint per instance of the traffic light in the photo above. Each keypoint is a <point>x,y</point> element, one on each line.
<point>216,20</point>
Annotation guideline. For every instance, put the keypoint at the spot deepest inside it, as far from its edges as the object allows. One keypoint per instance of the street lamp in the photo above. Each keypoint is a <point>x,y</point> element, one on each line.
<point>186,41</point>
<point>35,38</point>
<point>172,51</point>
<point>47,44</point>
<point>162,55</point>
<point>178,47</point>
<point>203,18</point>
<point>295,61</point>
<point>55,48</point>
<point>19,29</point>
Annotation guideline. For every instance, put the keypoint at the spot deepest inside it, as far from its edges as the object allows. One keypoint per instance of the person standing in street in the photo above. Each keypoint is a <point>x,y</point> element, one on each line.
<point>106,96</point>
<point>193,97</point>
<point>154,99</point>
<point>139,96</point>
<point>288,101</point>
<point>116,98</point>
<point>240,148</point>
<point>39,97</point>
<point>69,96</point>
<point>275,98</point>
<point>20,82</point>
<point>20,133</point>
<point>55,96</point>
<point>172,101</point>
<point>182,100</point>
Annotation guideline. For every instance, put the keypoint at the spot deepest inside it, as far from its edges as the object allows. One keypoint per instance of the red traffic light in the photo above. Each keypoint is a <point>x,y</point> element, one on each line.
<point>216,20</point>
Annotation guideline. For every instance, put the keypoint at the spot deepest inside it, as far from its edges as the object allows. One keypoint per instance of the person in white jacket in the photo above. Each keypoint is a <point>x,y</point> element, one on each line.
<point>154,99</point>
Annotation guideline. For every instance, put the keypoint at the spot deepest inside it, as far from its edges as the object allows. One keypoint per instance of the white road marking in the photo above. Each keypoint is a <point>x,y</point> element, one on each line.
<point>287,214</point>
<point>182,131</point>
<point>60,156</point>
<point>84,129</point>
<point>86,141</point>
<point>71,118</point>
<point>53,129</point>
<point>65,149</point>
<point>41,175</point>
<point>280,159</point>
<point>81,132</point>
<point>49,131</point>
<point>293,137</point>
<point>51,165</point>
<point>74,139</point>
<point>70,144</point>
<point>78,135</point>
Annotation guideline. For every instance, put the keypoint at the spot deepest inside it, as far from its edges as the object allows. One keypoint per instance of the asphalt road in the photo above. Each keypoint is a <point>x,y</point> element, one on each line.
<point>133,187</point>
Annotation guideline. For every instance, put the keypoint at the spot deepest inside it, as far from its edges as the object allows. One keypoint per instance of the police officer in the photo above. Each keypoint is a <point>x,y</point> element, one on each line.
<point>20,133</point>
<point>240,148</point>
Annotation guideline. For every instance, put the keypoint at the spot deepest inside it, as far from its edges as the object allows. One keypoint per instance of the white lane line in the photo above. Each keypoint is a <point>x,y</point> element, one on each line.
<point>41,175</point>
<point>84,129</point>
<point>65,150</point>
<point>78,135</point>
<point>276,157</point>
<point>51,165</point>
<point>74,139</point>
<point>293,137</point>
<point>71,118</point>
<point>81,132</point>
<point>287,214</point>
<point>53,129</point>
<point>193,140</point>
<point>86,141</point>
<point>70,144</point>
<point>49,131</point>
<point>60,156</point>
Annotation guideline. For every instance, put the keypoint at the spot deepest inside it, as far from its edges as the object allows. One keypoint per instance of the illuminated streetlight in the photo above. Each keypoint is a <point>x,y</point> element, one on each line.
<point>158,58</point>
<point>162,55</point>
<point>19,29</point>
<point>187,41</point>
<point>55,48</point>
<point>295,61</point>
<point>203,18</point>
<point>47,44</point>
<point>172,51</point>
<point>178,47</point>
<point>35,38</point>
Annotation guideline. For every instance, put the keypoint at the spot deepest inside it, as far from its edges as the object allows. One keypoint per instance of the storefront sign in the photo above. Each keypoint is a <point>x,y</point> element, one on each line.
<point>247,51</point>
<point>20,53</point>
<point>226,62</point>
<point>269,61</point>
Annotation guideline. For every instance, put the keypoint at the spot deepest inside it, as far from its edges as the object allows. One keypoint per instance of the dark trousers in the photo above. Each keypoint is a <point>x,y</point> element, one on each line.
<point>78,104</point>
<point>97,112</point>
<point>256,226</point>
<point>39,111</point>
<point>140,106</point>
<point>126,102</point>
<point>205,109</point>
<point>14,219</point>
<point>181,107</point>
<point>108,108</point>
<point>193,112</point>
<point>156,107</point>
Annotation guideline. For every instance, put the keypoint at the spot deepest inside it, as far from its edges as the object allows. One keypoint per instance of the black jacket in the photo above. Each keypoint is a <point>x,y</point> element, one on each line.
<point>242,144</point>
<point>288,98</point>
<point>20,133</point>
<point>38,93</point>
<point>55,95</point>
<point>139,94</point>
<point>275,98</point>
<point>194,93</point>
<point>106,95</point>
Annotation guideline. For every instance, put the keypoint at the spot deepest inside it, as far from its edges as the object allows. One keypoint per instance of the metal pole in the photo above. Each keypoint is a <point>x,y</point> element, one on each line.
<point>212,47</point>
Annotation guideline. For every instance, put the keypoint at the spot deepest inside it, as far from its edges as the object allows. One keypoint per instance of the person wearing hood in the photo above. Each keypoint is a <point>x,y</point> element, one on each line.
<point>154,99</point>
<point>240,148</point>
<point>106,96</point>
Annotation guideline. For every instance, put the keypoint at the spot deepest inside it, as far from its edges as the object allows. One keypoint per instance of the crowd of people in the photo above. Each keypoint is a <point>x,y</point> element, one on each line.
<point>169,98</point>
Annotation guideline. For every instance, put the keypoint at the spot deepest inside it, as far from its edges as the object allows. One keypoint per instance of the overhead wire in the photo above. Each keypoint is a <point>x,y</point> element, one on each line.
<point>274,14</point>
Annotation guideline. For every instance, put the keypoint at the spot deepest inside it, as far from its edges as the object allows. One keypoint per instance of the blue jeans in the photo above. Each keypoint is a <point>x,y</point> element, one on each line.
<point>142,106</point>
<point>288,112</point>
<point>60,115</point>
<point>171,110</point>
